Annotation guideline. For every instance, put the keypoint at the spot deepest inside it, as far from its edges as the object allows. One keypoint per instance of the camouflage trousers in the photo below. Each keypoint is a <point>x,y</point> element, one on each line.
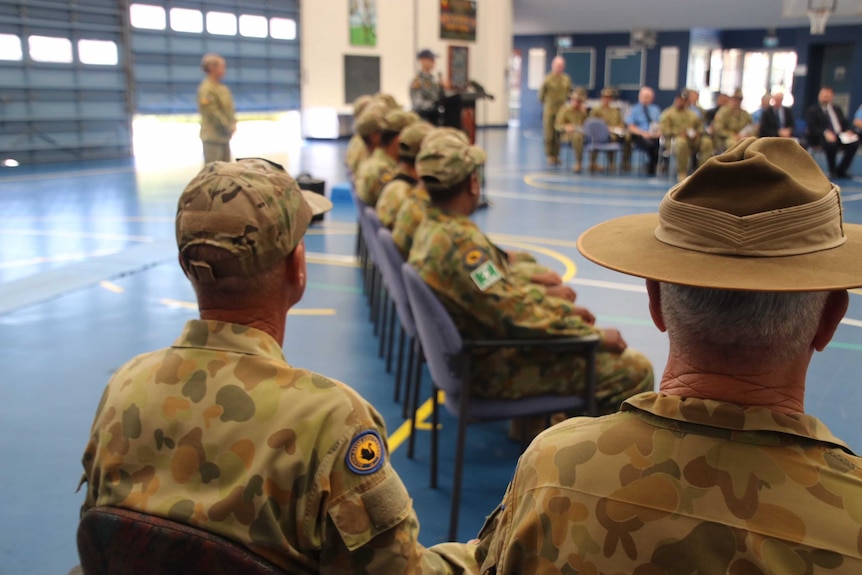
<point>216,152</point>
<point>514,373</point>
<point>552,137</point>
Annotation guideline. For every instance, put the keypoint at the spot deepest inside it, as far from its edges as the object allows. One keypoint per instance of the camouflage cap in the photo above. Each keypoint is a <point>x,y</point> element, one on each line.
<point>251,208</point>
<point>387,99</point>
<point>411,138</point>
<point>579,93</point>
<point>445,160</point>
<point>371,119</point>
<point>396,120</point>
<point>359,104</point>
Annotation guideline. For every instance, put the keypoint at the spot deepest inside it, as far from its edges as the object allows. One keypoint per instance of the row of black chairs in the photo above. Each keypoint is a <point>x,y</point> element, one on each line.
<point>395,289</point>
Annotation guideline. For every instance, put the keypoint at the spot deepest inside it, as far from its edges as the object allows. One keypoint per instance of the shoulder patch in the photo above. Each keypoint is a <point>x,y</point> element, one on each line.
<point>365,454</point>
<point>474,257</point>
<point>416,84</point>
<point>486,275</point>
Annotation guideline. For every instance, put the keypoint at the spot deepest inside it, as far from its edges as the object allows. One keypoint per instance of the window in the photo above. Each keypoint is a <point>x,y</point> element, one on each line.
<point>50,49</point>
<point>99,52</point>
<point>147,17</point>
<point>185,20</point>
<point>10,47</point>
<point>282,28</point>
<point>221,23</point>
<point>253,26</point>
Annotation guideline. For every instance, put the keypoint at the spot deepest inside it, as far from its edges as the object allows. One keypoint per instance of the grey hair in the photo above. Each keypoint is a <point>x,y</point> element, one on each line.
<point>208,60</point>
<point>763,326</point>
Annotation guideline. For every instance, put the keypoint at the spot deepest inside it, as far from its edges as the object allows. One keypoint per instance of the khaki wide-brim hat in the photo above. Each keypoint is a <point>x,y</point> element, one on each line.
<point>760,217</point>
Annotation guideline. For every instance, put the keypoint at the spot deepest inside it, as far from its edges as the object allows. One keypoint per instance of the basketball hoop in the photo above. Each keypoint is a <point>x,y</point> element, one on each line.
<point>818,17</point>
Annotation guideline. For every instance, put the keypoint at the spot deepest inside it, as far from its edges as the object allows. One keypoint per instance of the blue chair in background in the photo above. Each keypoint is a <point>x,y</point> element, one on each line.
<point>597,138</point>
<point>448,357</point>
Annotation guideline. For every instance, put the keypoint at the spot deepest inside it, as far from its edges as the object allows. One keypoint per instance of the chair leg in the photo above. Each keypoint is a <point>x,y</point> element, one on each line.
<point>459,466</point>
<point>384,322</point>
<point>399,365</point>
<point>390,340</point>
<point>414,396</point>
<point>408,379</point>
<point>435,418</point>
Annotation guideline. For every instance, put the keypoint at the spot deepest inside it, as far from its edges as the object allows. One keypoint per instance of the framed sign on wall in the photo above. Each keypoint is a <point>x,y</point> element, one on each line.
<point>459,67</point>
<point>458,20</point>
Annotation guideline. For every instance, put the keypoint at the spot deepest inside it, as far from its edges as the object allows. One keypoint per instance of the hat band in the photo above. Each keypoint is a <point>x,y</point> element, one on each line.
<point>796,230</point>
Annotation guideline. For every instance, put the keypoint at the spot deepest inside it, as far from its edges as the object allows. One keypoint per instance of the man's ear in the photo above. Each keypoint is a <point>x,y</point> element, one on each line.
<point>833,313</point>
<point>653,289</point>
<point>295,273</point>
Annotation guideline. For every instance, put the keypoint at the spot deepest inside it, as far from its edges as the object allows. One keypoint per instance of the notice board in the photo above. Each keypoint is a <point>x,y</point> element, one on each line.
<point>581,66</point>
<point>624,68</point>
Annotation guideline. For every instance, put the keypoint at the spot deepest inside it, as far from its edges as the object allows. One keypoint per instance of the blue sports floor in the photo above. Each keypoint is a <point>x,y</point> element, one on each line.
<point>88,279</point>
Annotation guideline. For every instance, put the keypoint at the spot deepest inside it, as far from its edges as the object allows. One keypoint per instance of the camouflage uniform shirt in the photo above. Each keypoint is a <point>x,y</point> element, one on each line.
<point>407,220</point>
<point>216,108</point>
<point>425,92</point>
<point>220,432</point>
<point>357,152</point>
<point>673,486</point>
<point>399,188</point>
<point>490,299</point>
<point>374,173</point>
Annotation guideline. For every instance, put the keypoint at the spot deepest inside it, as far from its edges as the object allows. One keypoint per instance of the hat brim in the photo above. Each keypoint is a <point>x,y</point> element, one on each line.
<point>318,203</point>
<point>628,245</point>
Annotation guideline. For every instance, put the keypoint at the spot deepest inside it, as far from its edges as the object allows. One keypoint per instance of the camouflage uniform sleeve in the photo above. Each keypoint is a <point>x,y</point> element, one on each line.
<point>562,118</point>
<point>410,215</point>
<point>542,90</point>
<point>719,124</point>
<point>370,524</point>
<point>470,277</point>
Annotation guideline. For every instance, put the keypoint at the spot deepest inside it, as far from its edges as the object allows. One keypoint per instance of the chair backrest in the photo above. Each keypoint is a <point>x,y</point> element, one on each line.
<point>115,541</point>
<point>596,130</point>
<point>441,342</point>
<point>369,223</point>
<point>390,267</point>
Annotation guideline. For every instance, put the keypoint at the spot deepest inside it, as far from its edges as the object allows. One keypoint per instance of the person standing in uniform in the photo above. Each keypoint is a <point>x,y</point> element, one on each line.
<point>731,123</point>
<point>405,183</point>
<point>828,128</point>
<point>215,105</point>
<point>553,94</point>
<point>684,129</point>
<point>218,431</point>
<point>721,471</point>
<point>490,300</point>
<point>612,117</point>
<point>570,120</point>
<point>426,92</point>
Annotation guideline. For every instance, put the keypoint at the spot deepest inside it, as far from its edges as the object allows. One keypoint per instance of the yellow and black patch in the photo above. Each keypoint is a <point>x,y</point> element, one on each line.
<point>365,454</point>
<point>475,257</point>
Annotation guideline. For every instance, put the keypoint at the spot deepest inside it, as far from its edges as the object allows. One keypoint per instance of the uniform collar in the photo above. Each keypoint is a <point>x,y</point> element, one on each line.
<point>229,337</point>
<point>440,215</point>
<point>671,410</point>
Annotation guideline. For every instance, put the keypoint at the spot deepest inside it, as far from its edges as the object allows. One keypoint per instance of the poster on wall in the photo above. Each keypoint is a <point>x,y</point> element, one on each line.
<point>458,20</point>
<point>363,22</point>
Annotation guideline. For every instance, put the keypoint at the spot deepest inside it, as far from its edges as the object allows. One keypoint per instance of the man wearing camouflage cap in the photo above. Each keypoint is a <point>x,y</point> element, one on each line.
<point>216,108</point>
<point>683,129</point>
<point>747,265</point>
<point>357,151</point>
<point>490,299</point>
<point>552,94</point>
<point>220,432</point>
<point>732,123</point>
<point>569,123</point>
<point>404,183</point>
<point>378,170</point>
<point>611,116</point>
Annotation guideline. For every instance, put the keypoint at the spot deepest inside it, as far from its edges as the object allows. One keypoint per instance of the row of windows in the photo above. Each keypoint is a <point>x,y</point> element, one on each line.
<point>51,49</point>
<point>147,17</point>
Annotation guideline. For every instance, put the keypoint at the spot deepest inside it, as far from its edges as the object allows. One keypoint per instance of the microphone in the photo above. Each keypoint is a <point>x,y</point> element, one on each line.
<point>480,90</point>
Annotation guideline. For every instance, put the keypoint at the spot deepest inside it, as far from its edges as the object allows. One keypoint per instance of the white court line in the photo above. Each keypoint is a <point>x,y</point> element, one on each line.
<point>851,198</point>
<point>69,234</point>
<point>570,200</point>
<point>853,322</point>
<point>57,258</point>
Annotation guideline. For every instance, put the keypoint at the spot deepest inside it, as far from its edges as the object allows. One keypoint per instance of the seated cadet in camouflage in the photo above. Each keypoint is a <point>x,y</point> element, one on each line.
<point>379,169</point>
<point>220,432</point>
<point>732,123</point>
<point>489,300</point>
<point>404,183</point>
<point>368,126</point>
<point>357,151</point>
<point>720,472</point>
<point>681,126</point>
<point>614,120</point>
<point>570,120</point>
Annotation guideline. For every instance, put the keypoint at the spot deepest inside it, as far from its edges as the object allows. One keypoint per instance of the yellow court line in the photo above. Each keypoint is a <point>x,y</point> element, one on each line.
<point>112,287</point>
<point>422,414</point>
<point>571,268</point>
<point>534,239</point>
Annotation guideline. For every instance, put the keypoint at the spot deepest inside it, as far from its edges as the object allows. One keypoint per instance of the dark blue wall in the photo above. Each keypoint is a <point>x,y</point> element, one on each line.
<point>808,48</point>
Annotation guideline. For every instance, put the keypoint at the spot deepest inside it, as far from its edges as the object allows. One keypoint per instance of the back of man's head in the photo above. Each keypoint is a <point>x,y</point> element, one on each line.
<point>445,162</point>
<point>238,220</point>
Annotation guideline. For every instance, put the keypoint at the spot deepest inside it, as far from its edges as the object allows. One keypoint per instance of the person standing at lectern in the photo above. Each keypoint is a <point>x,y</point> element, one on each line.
<point>426,91</point>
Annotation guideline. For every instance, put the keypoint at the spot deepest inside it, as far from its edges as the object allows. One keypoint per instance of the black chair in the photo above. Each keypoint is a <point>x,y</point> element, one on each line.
<point>448,359</point>
<point>116,541</point>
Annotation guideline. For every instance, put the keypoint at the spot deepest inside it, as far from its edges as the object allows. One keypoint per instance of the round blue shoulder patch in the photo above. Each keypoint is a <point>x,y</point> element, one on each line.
<point>365,454</point>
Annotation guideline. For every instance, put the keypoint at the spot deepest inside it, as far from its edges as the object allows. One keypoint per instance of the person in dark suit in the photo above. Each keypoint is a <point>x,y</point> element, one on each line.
<point>777,120</point>
<point>829,129</point>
